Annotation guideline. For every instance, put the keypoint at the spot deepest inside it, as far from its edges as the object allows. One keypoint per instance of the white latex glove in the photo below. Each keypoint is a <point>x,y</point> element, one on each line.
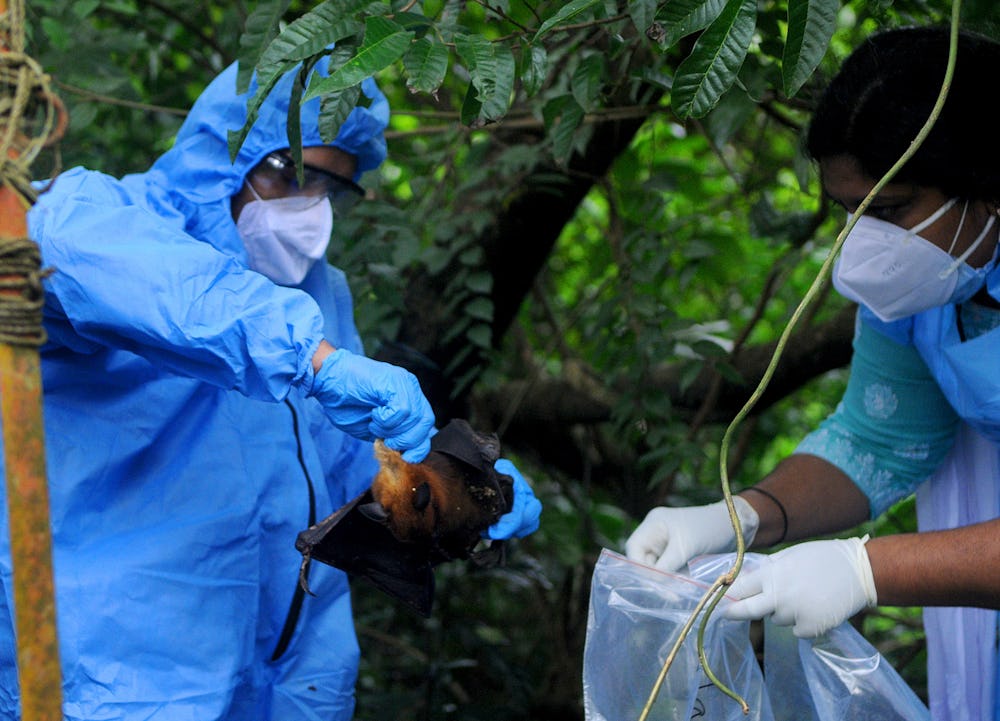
<point>812,586</point>
<point>670,537</point>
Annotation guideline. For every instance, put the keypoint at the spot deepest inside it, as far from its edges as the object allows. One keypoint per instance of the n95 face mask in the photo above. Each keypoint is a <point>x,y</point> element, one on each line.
<point>897,273</point>
<point>284,237</point>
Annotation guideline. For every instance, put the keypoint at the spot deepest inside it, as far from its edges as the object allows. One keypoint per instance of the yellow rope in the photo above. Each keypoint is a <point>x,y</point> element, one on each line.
<point>25,99</point>
<point>26,104</point>
<point>21,294</point>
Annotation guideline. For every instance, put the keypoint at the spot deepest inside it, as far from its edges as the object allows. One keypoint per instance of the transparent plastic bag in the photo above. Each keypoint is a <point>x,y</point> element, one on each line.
<point>637,613</point>
<point>838,675</point>
<point>636,616</point>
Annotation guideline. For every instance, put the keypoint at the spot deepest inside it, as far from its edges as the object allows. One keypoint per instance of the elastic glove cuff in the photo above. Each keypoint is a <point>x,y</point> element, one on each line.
<point>326,369</point>
<point>863,566</point>
<point>749,520</point>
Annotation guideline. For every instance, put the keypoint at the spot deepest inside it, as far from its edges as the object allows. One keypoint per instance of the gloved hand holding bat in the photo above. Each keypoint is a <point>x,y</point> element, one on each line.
<point>460,498</point>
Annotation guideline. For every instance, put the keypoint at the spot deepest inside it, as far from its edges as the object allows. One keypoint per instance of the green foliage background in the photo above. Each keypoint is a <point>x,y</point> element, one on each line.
<point>703,235</point>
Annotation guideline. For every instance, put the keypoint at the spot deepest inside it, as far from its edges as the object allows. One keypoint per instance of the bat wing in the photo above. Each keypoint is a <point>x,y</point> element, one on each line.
<point>458,440</point>
<point>470,455</point>
<point>364,548</point>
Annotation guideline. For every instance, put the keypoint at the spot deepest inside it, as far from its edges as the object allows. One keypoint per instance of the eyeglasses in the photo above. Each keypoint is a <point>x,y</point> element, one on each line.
<point>343,192</point>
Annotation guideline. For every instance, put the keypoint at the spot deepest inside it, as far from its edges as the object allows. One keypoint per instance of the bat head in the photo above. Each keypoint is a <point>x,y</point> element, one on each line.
<point>450,498</point>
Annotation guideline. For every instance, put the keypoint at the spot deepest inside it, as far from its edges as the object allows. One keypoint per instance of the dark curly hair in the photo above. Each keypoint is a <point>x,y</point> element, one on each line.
<point>885,91</point>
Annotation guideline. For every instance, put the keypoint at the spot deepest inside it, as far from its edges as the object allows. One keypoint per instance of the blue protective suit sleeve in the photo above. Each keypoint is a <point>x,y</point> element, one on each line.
<point>893,426</point>
<point>125,278</point>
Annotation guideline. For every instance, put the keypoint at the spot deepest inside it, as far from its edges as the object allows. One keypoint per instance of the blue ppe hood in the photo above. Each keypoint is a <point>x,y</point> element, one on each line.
<point>196,176</point>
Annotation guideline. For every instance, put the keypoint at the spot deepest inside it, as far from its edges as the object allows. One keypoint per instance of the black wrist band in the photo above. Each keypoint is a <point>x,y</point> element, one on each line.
<point>784,514</point>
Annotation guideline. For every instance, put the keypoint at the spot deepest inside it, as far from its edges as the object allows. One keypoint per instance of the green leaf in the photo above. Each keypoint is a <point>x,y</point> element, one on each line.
<point>458,328</point>
<point>334,109</point>
<point>435,259</point>
<point>336,106</point>
<point>562,117</point>
<point>295,120</point>
<point>471,257</point>
<point>426,63</point>
<point>384,43</point>
<point>307,36</point>
<point>480,335</point>
<point>82,9</point>
<point>496,89</point>
<point>264,87</point>
<point>642,13</point>
<point>480,308</point>
<point>481,282</point>
<point>534,67</point>
<point>457,360</point>
<point>418,23</point>
<point>728,116</point>
<point>587,81</point>
<point>492,69</point>
<point>261,28</point>
<point>713,64</point>
<point>810,26</point>
<point>473,50</point>
<point>313,32</point>
<point>680,18</point>
<point>58,34</point>
<point>565,137</point>
<point>471,107</point>
<point>566,13</point>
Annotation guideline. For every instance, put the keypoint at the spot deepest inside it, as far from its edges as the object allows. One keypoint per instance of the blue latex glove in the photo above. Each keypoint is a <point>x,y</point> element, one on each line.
<point>369,399</point>
<point>523,516</point>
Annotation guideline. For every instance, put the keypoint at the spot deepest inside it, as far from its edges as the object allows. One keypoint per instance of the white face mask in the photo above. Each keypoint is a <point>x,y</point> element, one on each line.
<point>897,273</point>
<point>284,237</point>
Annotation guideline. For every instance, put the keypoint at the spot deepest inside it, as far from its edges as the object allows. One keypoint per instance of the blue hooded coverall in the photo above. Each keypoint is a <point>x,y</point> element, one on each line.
<point>183,454</point>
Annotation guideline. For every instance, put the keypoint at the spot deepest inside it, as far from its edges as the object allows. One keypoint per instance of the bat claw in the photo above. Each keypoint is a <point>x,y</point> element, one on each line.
<point>304,574</point>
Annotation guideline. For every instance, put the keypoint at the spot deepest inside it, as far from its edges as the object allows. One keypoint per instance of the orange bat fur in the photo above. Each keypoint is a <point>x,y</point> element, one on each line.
<point>429,500</point>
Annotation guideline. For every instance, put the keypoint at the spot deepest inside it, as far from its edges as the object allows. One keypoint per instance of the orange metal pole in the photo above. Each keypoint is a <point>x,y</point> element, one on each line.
<point>39,671</point>
<point>28,510</point>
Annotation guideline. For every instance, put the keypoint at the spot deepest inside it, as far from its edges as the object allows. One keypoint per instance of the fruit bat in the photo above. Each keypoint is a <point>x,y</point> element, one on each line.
<point>416,516</point>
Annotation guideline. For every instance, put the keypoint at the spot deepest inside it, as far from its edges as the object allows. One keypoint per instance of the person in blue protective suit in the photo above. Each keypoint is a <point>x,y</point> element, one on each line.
<point>921,412</point>
<point>206,398</point>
